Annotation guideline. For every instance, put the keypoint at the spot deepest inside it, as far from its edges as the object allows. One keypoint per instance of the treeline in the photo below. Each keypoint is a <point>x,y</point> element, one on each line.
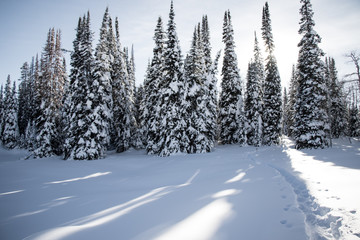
<point>178,109</point>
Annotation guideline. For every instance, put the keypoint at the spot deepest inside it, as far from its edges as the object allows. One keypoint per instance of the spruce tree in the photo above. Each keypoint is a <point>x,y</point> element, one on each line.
<point>290,106</point>
<point>172,99</point>
<point>81,140</point>
<point>353,124</point>
<point>336,100</point>
<point>30,133</point>
<point>152,91</point>
<point>210,84</point>
<point>140,131</point>
<point>253,106</point>
<point>129,122</point>
<point>311,120</point>
<point>99,99</point>
<point>272,86</point>
<point>24,101</point>
<point>285,111</point>
<point>121,98</point>
<point>50,98</point>
<point>195,97</point>
<point>10,124</point>
<point>231,114</point>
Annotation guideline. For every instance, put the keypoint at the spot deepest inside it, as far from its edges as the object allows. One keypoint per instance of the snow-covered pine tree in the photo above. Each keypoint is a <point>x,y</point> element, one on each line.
<point>337,105</point>
<point>30,133</point>
<point>259,62</point>
<point>353,124</point>
<point>152,91</point>
<point>46,121</point>
<point>231,114</point>
<point>172,99</point>
<point>58,88</point>
<point>75,95</point>
<point>23,101</point>
<point>122,114</point>
<point>195,97</point>
<point>129,120</point>
<point>80,141</point>
<point>311,119</point>
<point>253,98</point>
<point>272,86</point>
<point>140,134</point>
<point>253,106</point>
<point>99,100</point>
<point>10,124</point>
<point>285,118</point>
<point>210,84</point>
<point>290,108</point>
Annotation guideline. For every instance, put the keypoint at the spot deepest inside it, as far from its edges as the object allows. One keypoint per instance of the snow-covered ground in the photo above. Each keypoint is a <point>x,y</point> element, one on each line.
<point>232,193</point>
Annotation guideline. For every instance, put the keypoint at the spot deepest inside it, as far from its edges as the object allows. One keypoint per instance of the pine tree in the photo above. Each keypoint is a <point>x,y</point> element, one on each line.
<point>30,134</point>
<point>195,96</point>
<point>24,101</point>
<point>272,86</point>
<point>285,111</point>
<point>353,125</point>
<point>336,100</point>
<point>259,62</point>
<point>121,99</point>
<point>50,98</point>
<point>231,116</point>
<point>291,103</point>
<point>129,122</point>
<point>253,106</point>
<point>152,91</point>
<point>59,84</point>
<point>171,87</point>
<point>311,115</point>
<point>140,134</point>
<point>81,135</point>
<point>99,95</point>
<point>10,124</point>
<point>210,83</point>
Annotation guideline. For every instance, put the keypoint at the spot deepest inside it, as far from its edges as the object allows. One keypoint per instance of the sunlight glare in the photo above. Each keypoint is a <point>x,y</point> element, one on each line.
<point>203,224</point>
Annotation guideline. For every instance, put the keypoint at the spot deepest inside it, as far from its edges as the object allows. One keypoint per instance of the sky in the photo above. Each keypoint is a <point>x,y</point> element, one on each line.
<point>24,25</point>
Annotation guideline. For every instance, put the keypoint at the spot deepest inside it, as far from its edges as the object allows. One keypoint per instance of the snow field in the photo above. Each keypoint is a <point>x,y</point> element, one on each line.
<point>230,193</point>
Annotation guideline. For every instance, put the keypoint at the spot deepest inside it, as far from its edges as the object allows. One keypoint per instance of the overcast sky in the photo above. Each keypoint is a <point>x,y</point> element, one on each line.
<point>24,25</point>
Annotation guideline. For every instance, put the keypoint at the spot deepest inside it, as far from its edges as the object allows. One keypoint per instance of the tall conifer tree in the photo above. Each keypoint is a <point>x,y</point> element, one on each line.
<point>51,92</point>
<point>311,119</point>
<point>172,99</point>
<point>210,83</point>
<point>196,96</point>
<point>153,91</point>
<point>291,103</point>
<point>122,102</point>
<point>84,139</point>
<point>272,86</point>
<point>10,124</point>
<point>231,115</point>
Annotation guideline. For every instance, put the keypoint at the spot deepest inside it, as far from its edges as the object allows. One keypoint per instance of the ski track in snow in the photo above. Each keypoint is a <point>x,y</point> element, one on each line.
<point>231,193</point>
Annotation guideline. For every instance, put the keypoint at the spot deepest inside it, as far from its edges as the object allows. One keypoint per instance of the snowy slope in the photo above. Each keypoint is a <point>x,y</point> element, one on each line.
<point>231,193</point>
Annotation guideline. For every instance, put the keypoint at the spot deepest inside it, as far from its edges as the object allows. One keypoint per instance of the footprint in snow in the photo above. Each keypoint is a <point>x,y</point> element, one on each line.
<point>287,207</point>
<point>283,196</point>
<point>283,221</point>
